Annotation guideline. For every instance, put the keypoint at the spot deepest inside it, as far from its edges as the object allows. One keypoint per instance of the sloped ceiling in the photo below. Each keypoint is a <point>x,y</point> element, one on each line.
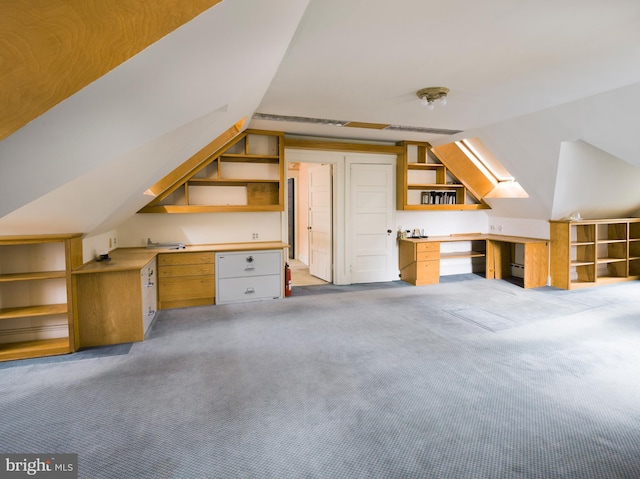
<point>524,77</point>
<point>128,129</point>
<point>54,48</point>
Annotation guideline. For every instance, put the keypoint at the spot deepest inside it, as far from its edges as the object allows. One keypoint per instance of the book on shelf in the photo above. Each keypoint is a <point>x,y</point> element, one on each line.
<point>438,197</point>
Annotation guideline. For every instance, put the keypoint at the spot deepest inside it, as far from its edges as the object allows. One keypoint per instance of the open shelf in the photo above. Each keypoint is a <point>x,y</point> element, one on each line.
<point>33,311</point>
<point>245,174</point>
<point>424,182</point>
<point>36,298</point>
<point>591,252</point>
<point>41,275</point>
<point>37,348</point>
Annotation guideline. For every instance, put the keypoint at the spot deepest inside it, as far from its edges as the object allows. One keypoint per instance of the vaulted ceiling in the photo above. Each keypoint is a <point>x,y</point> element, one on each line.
<point>523,76</point>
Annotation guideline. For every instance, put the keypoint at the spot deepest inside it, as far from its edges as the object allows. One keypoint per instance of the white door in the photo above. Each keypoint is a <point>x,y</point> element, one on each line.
<point>372,216</point>
<point>320,221</point>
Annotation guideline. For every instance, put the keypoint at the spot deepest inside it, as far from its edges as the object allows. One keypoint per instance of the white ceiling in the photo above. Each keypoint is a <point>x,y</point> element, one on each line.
<point>524,75</point>
<point>364,60</point>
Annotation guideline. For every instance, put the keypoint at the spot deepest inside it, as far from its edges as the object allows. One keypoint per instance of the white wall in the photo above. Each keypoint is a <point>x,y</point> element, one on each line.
<point>529,147</point>
<point>93,246</point>
<point>594,183</point>
<point>200,228</point>
<point>443,223</point>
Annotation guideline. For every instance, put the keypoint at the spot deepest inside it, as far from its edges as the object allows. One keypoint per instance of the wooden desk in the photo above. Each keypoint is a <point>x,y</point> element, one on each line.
<point>419,258</point>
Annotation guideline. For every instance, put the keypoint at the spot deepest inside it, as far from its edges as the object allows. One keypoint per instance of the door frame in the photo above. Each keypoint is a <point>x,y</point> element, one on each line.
<point>335,159</point>
<point>388,161</point>
<point>341,163</point>
<point>314,270</point>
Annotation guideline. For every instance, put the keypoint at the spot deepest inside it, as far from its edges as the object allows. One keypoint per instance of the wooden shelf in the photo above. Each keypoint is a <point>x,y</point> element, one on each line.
<point>582,263</point>
<point>455,207</point>
<point>210,208</point>
<point>421,171</point>
<point>592,252</point>
<point>229,182</point>
<point>611,241</point>
<point>434,186</point>
<point>38,348</point>
<point>33,311</point>
<point>610,260</point>
<point>9,278</point>
<point>240,158</point>
<point>252,159</point>
<point>43,251</point>
<point>462,254</point>
<point>425,166</point>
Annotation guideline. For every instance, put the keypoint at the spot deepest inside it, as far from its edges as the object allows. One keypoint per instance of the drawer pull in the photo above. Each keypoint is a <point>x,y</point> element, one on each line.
<point>250,291</point>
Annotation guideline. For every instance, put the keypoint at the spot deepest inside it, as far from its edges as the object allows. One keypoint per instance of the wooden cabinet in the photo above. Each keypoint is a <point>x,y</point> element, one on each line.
<point>116,301</point>
<point>186,279</point>
<point>593,252</point>
<point>249,276</point>
<point>36,298</point>
<point>420,260</point>
<point>247,174</point>
<point>425,182</point>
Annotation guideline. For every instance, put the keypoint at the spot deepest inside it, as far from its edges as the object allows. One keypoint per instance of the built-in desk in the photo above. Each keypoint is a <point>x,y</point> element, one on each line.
<point>419,259</point>
<point>116,300</point>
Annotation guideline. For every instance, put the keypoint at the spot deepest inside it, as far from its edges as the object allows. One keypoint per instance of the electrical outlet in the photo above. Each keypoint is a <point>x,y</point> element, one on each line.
<point>492,227</point>
<point>254,236</point>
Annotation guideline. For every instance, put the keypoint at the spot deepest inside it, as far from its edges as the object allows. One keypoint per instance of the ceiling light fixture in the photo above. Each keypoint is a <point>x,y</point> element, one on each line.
<point>428,96</point>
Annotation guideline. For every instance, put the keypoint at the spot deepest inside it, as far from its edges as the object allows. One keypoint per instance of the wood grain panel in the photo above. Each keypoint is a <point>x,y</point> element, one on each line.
<point>53,48</point>
<point>109,308</point>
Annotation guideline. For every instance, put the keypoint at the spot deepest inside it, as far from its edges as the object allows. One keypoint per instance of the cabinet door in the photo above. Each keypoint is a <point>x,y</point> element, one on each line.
<point>109,308</point>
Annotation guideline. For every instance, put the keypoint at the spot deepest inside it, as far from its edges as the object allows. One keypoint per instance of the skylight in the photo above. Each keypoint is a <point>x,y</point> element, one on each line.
<point>505,184</point>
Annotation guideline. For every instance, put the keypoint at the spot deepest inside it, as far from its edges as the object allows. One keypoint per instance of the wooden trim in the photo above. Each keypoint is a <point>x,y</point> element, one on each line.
<point>326,145</point>
<point>463,168</point>
<point>59,47</point>
<point>48,238</point>
<point>209,208</point>
<point>173,180</point>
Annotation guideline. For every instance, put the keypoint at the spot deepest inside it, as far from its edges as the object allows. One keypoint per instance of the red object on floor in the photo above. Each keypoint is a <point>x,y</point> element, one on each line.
<point>287,280</point>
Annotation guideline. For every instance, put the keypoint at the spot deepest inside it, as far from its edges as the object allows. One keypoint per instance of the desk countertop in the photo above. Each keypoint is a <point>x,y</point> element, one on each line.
<point>475,237</point>
<point>127,259</point>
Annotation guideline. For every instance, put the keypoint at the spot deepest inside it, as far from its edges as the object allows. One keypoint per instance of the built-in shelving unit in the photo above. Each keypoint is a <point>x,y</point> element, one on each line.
<point>592,252</point>
<point>246,174</point>
<point>36,301</point>
<point>425,182</point>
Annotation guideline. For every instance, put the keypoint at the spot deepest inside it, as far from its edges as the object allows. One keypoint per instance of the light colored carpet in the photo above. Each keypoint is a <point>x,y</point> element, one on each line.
<point>472,379</point>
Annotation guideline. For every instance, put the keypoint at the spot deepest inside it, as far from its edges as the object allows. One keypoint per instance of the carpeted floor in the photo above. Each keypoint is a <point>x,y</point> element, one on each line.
<point>466,379</point>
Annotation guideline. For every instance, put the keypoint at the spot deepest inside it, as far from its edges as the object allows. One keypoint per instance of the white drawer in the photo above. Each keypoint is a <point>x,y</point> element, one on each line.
<point>255,288</point>
<point>248,263</point>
